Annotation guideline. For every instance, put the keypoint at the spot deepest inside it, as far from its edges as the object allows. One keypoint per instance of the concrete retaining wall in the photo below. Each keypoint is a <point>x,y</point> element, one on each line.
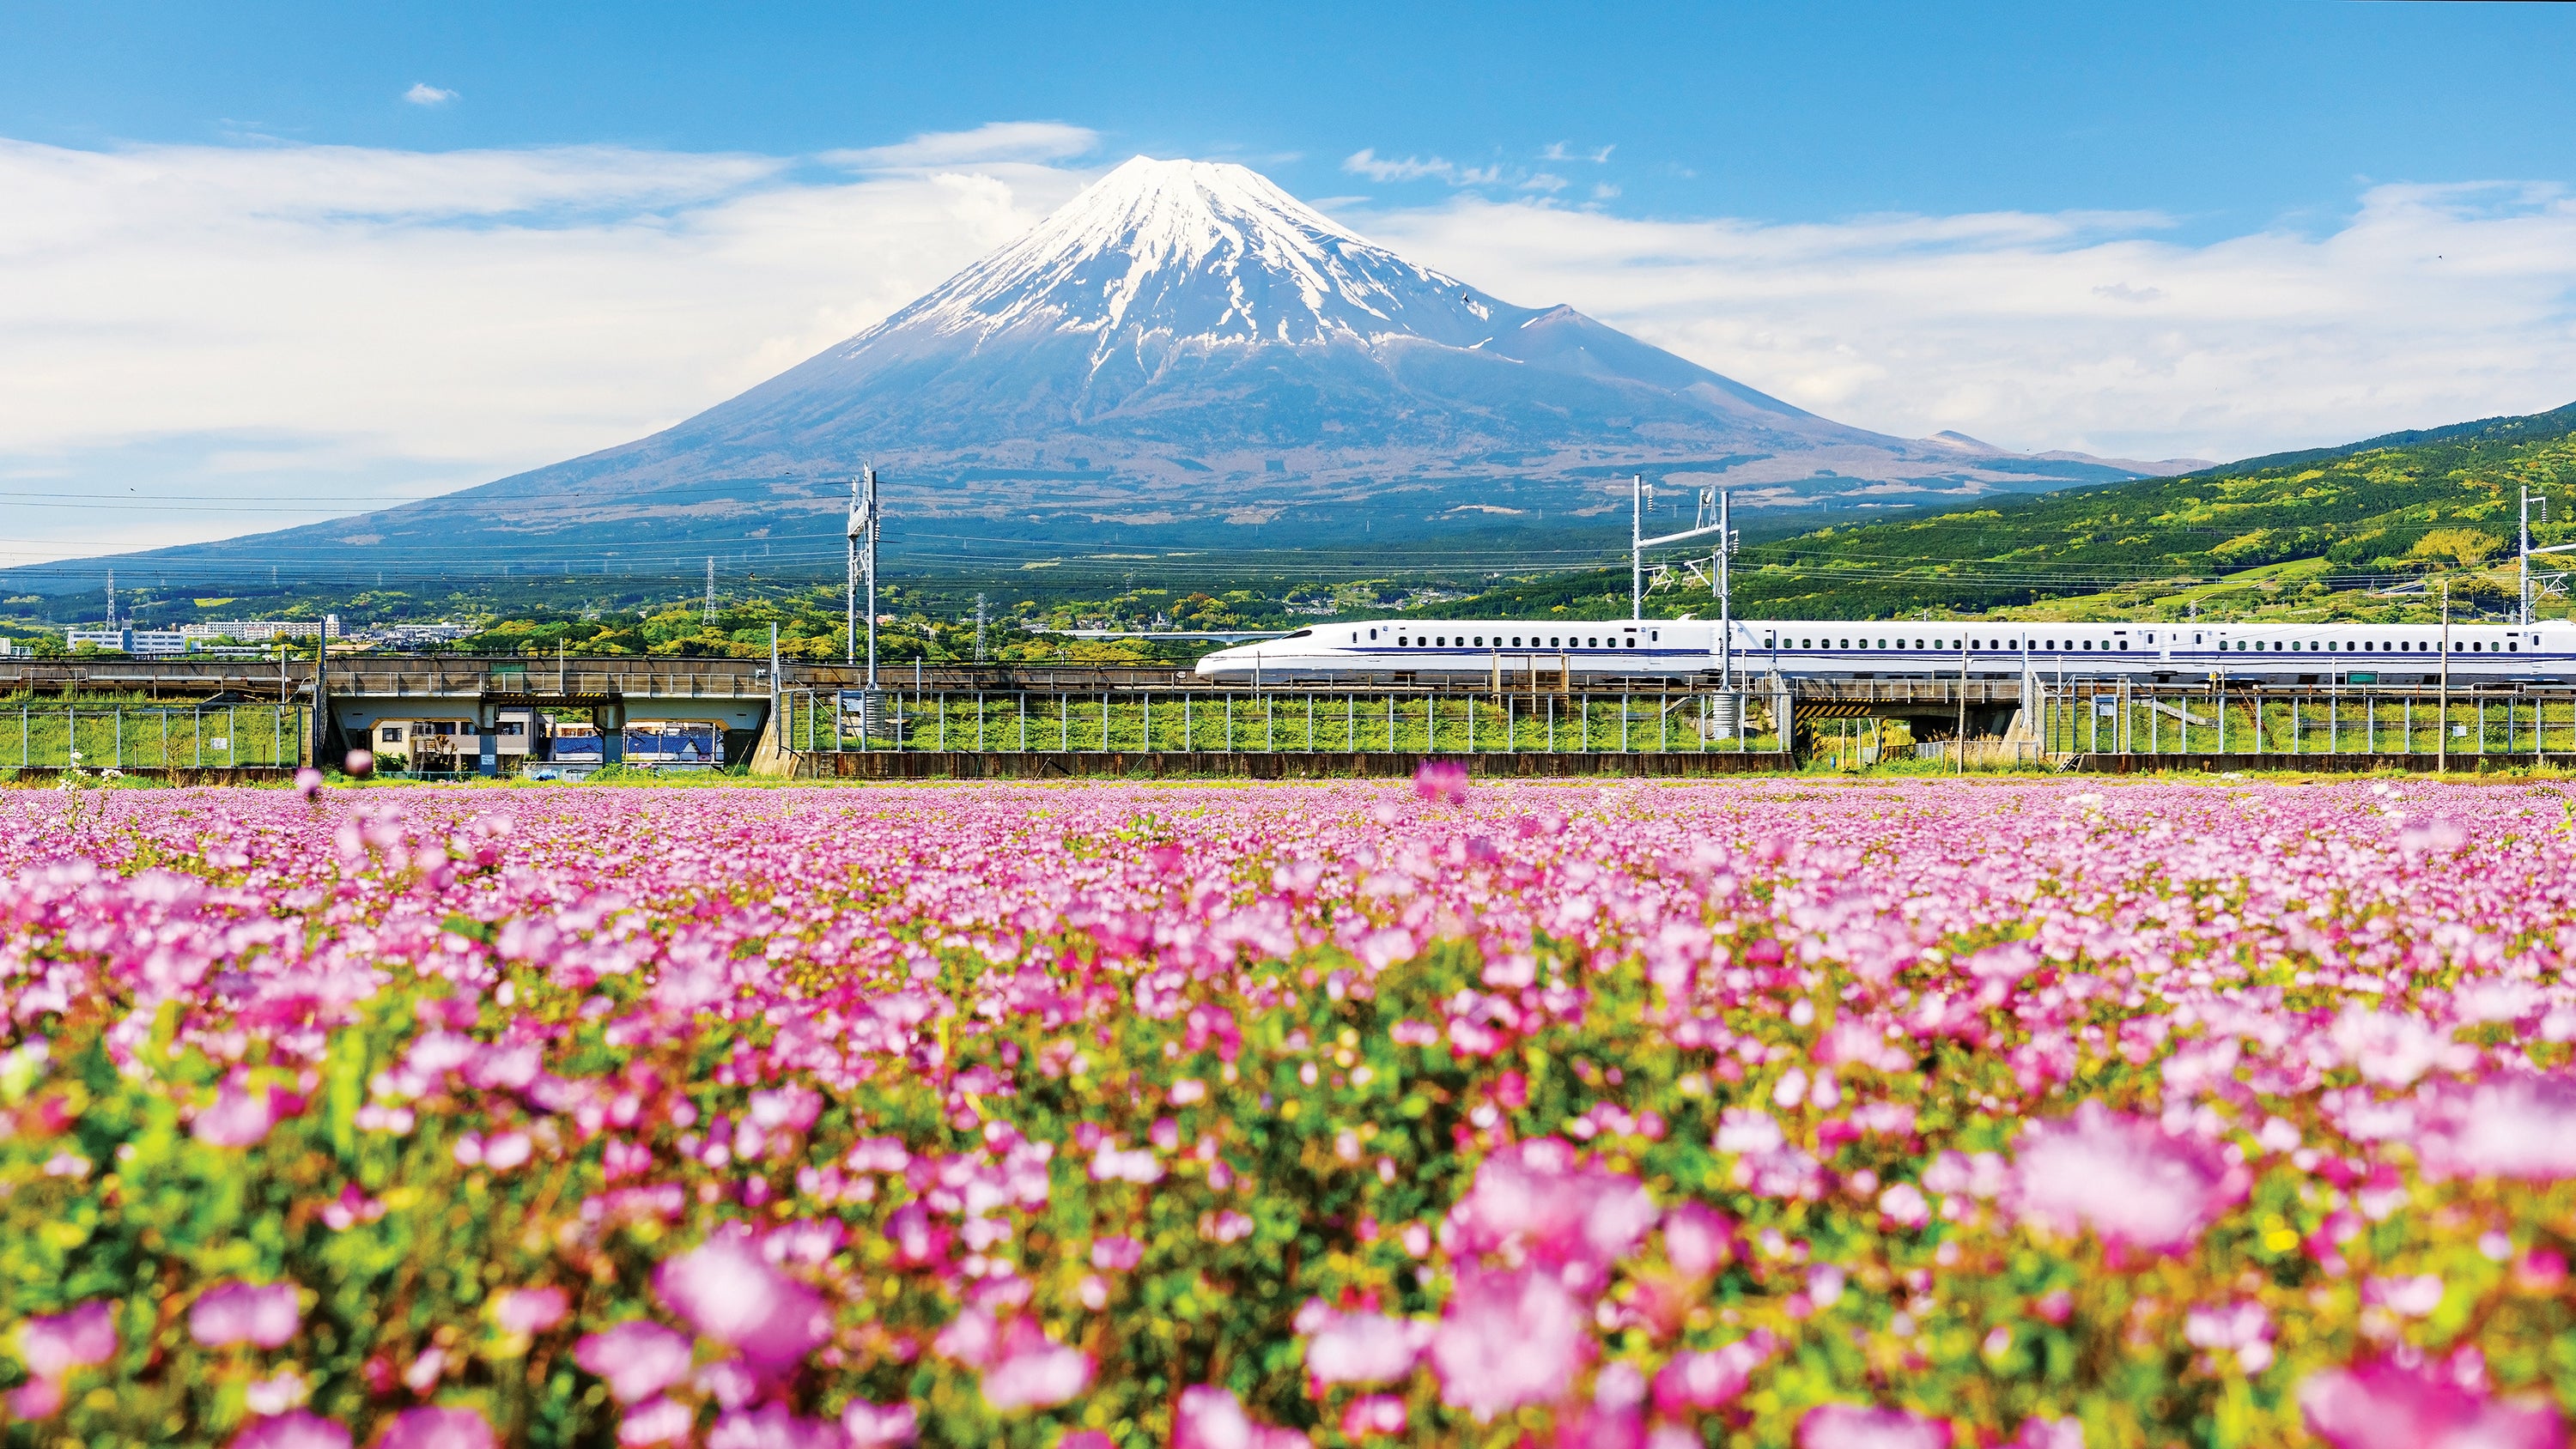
<point>2459,764</point>
<point>1283,765</point>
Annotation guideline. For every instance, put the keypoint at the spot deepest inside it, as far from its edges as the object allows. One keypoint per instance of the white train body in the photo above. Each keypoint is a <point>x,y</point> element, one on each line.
<point>1400,650</point>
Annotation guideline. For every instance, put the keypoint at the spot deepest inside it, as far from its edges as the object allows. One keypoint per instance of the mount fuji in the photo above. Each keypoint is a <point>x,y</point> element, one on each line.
<point>1186,355</point>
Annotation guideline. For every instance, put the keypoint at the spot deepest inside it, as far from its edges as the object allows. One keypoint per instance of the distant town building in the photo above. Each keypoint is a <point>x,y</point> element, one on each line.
<point>264,631</point>
<point>413,636</point>
<point>130,641</point>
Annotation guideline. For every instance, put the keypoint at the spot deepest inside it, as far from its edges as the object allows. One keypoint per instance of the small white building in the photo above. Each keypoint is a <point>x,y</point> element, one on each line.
<point>264,631</point>
<point>129,641</point>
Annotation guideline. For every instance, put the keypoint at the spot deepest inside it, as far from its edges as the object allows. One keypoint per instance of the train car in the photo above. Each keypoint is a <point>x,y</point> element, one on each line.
<point>1401,651</point>
<point>674,745</point>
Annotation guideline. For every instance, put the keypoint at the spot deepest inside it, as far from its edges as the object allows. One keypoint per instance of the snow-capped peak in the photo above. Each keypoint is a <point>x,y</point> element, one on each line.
<point>1197,251</point>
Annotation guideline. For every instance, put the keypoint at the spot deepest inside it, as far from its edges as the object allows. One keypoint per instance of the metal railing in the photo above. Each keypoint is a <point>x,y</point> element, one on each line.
<point>1239,721</point>
<point>2115,719</point>
<point>150,736</point>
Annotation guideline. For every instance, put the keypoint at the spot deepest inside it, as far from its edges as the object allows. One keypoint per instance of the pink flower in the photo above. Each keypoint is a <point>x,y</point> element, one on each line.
<point>1117,1254</point>
<point>308,782</point>
<point>774,1426</point>
<point>530,1310</point>
<point>2039,1433</point>
<point>728,1293</point>
<point>1031,1371</point>
<point>238,1118</point>
<point>359,763</point>
<point>1710,1380</point>
<point>438,1429</point>
<point>1442,782</point>
<point>1362,1348</point>
<point>37,1399</point>
<point>261,1314</point>
<point>1209,1417</point>
<point>2127,1180</point>
<point>2383,1406</point>
<point>298,1430</point>
<point>1373,1414</point>
<point>1845,1426</point>
<point>1533,1199</point>
<point>1508,1339</point>
<point>52,1346</point>
<point>639,1359</point>
<point>1698,1239</point>
<point>2521,1127</point>
<point>656,1421</point>
<point>874,1426</point>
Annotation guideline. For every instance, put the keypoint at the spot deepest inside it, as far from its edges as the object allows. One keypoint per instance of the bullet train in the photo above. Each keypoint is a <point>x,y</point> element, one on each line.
<point>1670,650</point>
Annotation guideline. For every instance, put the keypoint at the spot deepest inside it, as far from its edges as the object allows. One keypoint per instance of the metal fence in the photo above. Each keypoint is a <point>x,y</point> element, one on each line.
<point>153,736</point>
<point>2121,720</point>
<point>1228,721</point>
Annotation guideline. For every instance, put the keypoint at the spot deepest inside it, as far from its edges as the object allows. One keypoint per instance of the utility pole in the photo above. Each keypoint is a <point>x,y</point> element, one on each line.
<point>850,586</point>
<point>2522,580</point>
<point>875,521</point>
<point>2442,715</point>
<point>1636,546</point>
<point>710,616</point>
<point>979,628</point>
<point>1725,590</point>
<point>111,598</point>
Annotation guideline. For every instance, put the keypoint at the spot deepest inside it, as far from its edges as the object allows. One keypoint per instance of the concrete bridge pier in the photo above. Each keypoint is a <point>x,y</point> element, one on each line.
<point>610,718</point>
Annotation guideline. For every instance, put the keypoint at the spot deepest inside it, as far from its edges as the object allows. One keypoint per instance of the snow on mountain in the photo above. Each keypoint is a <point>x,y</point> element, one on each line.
<point>1197,251</point>
<point>1186,354</point>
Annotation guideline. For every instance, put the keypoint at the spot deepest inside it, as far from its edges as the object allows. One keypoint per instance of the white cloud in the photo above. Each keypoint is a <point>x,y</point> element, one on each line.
<point>310,330</point>
<point>422,93</point>
<point>993,141</point>
<point>306,330</point>
<point>1560,151</point>
<point>1366,162</point>
<point>2430,304</point>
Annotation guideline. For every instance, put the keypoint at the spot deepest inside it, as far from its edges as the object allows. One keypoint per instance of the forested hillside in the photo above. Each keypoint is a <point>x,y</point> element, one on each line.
<point>2367,516</point>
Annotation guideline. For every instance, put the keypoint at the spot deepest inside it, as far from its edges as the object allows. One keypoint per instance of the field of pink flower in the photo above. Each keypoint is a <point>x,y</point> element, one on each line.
<point>1227,1118</point>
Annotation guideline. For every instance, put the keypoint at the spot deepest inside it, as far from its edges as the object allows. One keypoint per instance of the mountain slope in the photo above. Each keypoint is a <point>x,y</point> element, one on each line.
<point>1182,354</point>
<point>2372,513</point>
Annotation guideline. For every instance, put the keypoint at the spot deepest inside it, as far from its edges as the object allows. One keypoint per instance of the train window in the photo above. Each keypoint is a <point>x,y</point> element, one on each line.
<point>1654,633</point>
<point>1555,643</point>
<point>1806,643</point>
<point>1480,641</point>
<point>1632,641</point>
<point>1770,641</point>
<point>2478,648</point>
<point>2513,646</point>
<point>1372,633</point>
<point>1846,644</point>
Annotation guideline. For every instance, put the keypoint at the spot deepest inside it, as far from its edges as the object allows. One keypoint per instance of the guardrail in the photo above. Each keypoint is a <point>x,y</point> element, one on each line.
<point>155,737</point>
<point>1230,721</point>
<point>2343,720</point>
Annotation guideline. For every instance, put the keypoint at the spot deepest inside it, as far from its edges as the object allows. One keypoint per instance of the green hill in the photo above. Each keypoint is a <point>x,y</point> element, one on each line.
<point>2366,516</point>
<point>2327,531</point>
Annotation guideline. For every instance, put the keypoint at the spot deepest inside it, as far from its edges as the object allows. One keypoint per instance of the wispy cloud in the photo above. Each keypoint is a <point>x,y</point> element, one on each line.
<point>423,93</point>
<point>2428,304</point>
<point>1366,162</point>
<point>993,141</point>
<point>346,326</point>
<point>1560,151</point>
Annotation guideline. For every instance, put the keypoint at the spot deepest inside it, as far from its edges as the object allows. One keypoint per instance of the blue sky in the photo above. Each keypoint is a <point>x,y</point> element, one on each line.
<point>2220,114</point>
<point>267,263</point>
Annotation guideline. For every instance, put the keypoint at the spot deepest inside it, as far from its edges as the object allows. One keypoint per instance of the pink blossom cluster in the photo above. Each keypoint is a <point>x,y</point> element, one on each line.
<point>1937,1113</point>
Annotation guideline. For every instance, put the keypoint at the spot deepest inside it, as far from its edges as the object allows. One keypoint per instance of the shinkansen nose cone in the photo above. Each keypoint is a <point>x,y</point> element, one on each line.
<point>1241,659</point>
